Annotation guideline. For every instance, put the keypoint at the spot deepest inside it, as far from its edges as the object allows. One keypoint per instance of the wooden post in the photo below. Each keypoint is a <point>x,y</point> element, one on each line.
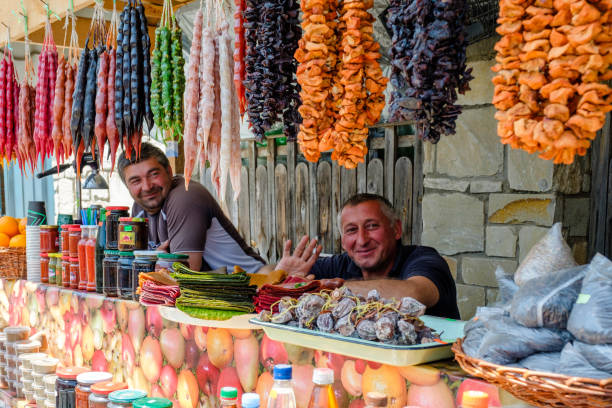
<point>390,155</point>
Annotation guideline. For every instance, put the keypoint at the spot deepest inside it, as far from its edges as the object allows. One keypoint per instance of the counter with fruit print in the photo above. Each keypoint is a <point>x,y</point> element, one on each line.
<point>189,364</point>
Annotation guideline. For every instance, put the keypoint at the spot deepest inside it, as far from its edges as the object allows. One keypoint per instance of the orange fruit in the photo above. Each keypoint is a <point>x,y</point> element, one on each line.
<point>4,239</point>
<point>9,226</point>
<point>22,225</point>
<point>18,240</point>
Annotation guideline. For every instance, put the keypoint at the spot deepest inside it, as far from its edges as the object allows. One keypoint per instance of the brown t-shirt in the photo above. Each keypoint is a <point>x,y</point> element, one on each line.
<point>193,221</point>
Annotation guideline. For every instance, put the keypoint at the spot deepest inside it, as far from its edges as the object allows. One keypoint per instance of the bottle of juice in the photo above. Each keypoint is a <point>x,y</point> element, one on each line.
<point>281,395</point>
<point>323,392</point>
<point>91,256</point>
<point>83,258</point>
<point>250,400</point>
<point>229,397</point>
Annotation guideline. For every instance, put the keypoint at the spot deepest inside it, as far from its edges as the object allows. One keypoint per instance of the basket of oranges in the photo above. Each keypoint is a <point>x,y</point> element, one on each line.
<point>12,247</point>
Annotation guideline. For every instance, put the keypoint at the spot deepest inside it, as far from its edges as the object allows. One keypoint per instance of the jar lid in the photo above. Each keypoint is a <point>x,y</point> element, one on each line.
<point>126,253</point>
<point>111,252</point>
<point>93,377</point>
<point>44,255</point>
<point>150,254</point>
<point>66,258</point>
<point>106,387</point>
<point>70,373</point>
<point>49,227</point>
<point>154,402</point>
<point>133,219</point>
<point>72,259</point>
<point>166,255</point>
<point>229,393</point>
<point>74,227</point>
<point>55,255</point>
<point>67,226</point>
<point>123,396</point>
<point>117,208</point>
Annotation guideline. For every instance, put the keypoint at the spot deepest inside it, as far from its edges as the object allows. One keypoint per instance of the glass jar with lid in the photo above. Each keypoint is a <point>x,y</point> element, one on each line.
<point>152,402</point>
<point>55,268</point>
<point>91,257</point>
<point>65,271</point>
<point>44,267</point>
<point>113,214</point>
<point>74,236</point>
<point>84,383</point>
<point>110,268</point>
<point>99,393</point>
<point>124,275</point>
<point>65,386</point>
<point>83,257</point>
<point>124,398</point>
<point>144,261</point>
<point>49,238</point>
<point>133,234</point>
<point>65,239</point>
<point>166,260</point>
<point>74,273</point>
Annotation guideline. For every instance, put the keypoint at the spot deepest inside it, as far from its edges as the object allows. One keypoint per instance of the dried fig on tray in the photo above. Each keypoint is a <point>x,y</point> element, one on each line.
<point>325,322</point>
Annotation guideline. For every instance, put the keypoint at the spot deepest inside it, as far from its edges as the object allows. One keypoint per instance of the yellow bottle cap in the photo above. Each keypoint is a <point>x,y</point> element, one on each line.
<point>475,399</point>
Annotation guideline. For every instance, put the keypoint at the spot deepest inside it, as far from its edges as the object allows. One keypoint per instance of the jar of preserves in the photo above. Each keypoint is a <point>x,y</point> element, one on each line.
<point>92,256</point>
<point>110,267</point>
<point>49,238</point>
<point>74,273</point>
<point>152,402</point>
<point>124,275</point>
<point>84,383</point>
<point>166,260</point>
<point>83,257</point>
<point>133,234</point>
<point>144,261</point>
<point>101,239</point>
<point>74,237</point>
<point>55,268</point>
<point>66,271</point>
<point>99,393</point>
<point>113,214</point>
<point>124,398</point>
<point>64,239</point>
<point>65,386</point>
<point>44,267</point>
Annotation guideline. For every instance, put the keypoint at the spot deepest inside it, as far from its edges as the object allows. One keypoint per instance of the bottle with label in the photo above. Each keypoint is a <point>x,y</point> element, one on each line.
<point>281,395</point>
<point>323,393</point>
<point>375,399</point>
<point>250,400</point>
<point>474,399</point>
<point>229,397</point>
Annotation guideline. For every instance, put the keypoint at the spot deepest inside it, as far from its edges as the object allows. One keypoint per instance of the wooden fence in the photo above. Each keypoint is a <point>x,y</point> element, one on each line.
<point>283,196</point>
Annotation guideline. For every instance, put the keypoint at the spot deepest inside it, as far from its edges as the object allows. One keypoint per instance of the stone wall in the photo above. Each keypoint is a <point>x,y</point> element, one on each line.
<point>486,204</point>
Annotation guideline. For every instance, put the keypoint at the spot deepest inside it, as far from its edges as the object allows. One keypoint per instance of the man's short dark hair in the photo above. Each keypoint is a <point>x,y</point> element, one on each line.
<point>385,206</point>
<point>147,151</point>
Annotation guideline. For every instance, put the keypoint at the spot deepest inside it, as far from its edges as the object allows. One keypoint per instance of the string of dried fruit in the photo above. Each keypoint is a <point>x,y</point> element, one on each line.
<point>178,79</point>
<point>317,57</point>
<point>58,110</point>
<point>239,53</point>
<point>45,95</point>
<point>26,147</point>
<point>9,113</point>
<point>428,64</point>
<point>288,88</point>
<point>551,58</point>
<point>253,62</point>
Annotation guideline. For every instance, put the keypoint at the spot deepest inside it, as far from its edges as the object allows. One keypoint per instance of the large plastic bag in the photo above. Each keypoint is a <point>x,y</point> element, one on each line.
<point>507,342</point>
<point>550,254</point>
<point>547,301</point>
<point>591,317</point>
<point>574,364</point>
<point>548,362</point>
<point>598,355</point>
<point>507,288</point>
<point>475,329</point>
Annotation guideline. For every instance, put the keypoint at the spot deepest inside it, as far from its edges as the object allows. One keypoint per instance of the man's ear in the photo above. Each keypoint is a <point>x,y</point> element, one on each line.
<point>169,170</point>
<point>398,229</point>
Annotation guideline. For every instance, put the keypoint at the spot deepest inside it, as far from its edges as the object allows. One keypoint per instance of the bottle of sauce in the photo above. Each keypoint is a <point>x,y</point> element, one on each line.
<point>375,399</point>
<point>250,400</point>
<point>474,399</point>
<point>229,397</point>
<point>281,394</point>
<point>323,393</point>
<point>92,257</point>
<point>83,258</point>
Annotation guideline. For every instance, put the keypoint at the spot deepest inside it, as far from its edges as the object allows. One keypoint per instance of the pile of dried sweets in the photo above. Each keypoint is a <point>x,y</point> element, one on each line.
<point>341,312</point>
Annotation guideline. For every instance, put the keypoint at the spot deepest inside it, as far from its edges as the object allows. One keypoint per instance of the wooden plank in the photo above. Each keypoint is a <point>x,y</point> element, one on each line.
<point>599,230</point>
<point>348,188</point>
<point>403,196</point>
<point>244,227</point>
<point>291,156</point>
<point>417,193</point>
<point>390,155</point>
<point>375,177</point>
<point>324,180</point>
<point>282,207</point>
<point>403,141</point>
<point>271,215</point>
<point>362,184</point>
<point>302,206</point>
<point>262,211</point>
<point>335,191</point>
<point>252,163</point>
<point>313,196</point>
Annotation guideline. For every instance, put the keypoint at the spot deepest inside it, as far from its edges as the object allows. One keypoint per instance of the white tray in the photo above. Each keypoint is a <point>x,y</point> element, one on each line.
<point>237,322</point>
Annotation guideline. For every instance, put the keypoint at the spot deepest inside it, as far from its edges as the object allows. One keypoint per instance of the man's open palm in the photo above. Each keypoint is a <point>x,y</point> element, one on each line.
<point>300,262</point>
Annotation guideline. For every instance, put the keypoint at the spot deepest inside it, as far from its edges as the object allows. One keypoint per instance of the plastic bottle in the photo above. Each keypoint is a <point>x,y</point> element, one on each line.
<point>229,397</point>
<point>323,393</point>
<point>375,399</point>
<point>474,399</point>
<point>281,395</point>
<point>250,400</point>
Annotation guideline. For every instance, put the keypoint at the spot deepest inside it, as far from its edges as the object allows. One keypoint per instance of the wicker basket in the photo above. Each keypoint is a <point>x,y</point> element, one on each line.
<point>539,388</point>
<point>13,263</point>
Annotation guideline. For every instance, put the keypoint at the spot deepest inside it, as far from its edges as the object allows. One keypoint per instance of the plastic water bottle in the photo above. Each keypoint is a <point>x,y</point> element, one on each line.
<point>250,400</point>
<point>281,395</point>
